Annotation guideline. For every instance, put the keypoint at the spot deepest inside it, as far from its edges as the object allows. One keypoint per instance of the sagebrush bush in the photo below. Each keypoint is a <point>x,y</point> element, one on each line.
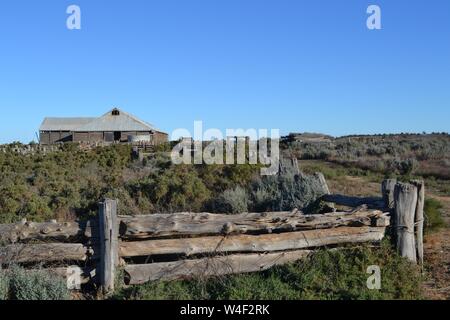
<point>232,201</point>
<point>263,196</point>
<point>36,285</point>
<point>286,192</point>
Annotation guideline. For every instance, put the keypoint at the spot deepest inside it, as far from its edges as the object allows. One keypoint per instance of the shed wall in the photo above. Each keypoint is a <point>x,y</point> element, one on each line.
<point>160,137</point>
<point>95,136</point>
<point>44,138</point>
<point>53,137</point>
<point>80,137</point>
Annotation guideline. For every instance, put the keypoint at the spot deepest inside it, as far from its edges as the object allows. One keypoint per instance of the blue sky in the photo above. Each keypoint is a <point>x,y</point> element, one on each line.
<point>295,65</point>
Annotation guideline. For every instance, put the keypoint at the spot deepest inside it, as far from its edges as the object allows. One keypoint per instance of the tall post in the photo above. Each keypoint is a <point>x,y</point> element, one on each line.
<point>109,254</point>
<point>405,196</point>
<point>387,190</point>
<point>419,218</point>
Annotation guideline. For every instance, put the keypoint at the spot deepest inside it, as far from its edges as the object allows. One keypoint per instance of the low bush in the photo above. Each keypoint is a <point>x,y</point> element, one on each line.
<point>177,189</point>
<point>286,192</point>
<point>232,201</point>
<point>37,284</point>
<point>264,195</point>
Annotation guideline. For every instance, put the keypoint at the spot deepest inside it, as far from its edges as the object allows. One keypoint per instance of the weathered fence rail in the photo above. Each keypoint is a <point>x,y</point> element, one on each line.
<point>195,224</point>
<point>220,265</point>
<point>184,245</point>
<point>252,243</point>
<point>66,231</point>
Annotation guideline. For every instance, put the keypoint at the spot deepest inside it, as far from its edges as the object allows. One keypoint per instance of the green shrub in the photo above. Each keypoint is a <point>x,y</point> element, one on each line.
<point>178,188</point>
<point>433,215</point>
<point>63,184</point>
<point>36,285</point>
<point>241,174</point>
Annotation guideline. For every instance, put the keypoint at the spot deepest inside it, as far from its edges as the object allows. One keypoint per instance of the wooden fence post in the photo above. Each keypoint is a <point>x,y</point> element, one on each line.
<point>387,190</point>
<point>109,254</point>
<point>419,218</point>
<point>405,196</point>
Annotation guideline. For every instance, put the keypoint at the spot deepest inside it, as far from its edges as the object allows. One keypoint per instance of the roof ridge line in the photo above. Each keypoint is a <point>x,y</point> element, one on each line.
<point>135,118</point>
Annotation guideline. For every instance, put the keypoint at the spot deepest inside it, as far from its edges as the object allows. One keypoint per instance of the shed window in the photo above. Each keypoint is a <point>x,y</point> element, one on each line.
<point>116,112</point>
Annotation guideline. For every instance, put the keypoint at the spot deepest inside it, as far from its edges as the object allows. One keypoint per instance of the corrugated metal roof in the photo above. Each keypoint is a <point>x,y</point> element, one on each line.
<point>63,124</point>
<point>108,122</point>
<point>122,122</point>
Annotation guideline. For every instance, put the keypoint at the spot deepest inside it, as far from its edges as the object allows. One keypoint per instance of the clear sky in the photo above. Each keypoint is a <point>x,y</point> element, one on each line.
<point>295,65</point>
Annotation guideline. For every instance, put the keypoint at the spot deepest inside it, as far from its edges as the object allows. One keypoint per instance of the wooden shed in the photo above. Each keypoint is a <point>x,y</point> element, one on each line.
<point>114,126</point>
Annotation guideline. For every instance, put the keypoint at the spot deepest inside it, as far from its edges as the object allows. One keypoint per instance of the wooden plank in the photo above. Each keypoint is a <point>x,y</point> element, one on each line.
<point>419,218</point>
<point>203,224</point>
<point>109,258</point>
<point>250,243</point>
<point>405,210</point>
<point>26,231</point>
<point>50,252</point>
<point>207,267</point>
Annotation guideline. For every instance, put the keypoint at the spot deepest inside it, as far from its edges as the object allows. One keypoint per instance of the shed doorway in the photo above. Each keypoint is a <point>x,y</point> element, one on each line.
<point>117,135</point>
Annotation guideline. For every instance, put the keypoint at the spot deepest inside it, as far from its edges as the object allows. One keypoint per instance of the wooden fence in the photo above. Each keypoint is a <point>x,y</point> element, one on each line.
<point>185,245</point>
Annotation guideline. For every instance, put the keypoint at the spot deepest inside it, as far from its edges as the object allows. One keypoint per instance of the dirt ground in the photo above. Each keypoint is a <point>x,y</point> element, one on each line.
<point>436,245</point>
<point>437,257</point>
